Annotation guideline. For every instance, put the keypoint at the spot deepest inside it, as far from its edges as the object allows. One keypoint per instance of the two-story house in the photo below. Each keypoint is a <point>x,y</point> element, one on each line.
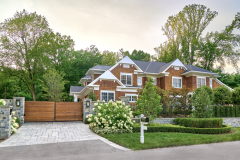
<point>125,77</point>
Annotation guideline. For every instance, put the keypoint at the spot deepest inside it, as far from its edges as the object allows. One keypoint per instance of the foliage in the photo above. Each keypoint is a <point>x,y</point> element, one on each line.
<point>111,118</point>
<point>136,55</point>
<point>222,95</point>
<point>207,89</point>
<point>2,102</point>
<point>92,96</point>
<point>14,125</point>
<point>199,122</point>
<point>182,129</point>
<point>28,45</point>
<point>226,111</point>
<point>109,58</point>
<point>18,121</point>
<point>202,103</point>
<point>236,96</point>
<point>148,103</point>
<point>53,85</point>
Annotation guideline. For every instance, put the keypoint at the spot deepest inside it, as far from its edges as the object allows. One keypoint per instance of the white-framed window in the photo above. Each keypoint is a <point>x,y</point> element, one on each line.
<point>155,81</point>
<point>126,79</point>
<point>176,68</point>
<point>139,81</point>
<point>177,82</point>
<point>132,97</point>
<point>201,81</point>
<point>210,82</point>
<point>107,95</point>
<point>126,66</point>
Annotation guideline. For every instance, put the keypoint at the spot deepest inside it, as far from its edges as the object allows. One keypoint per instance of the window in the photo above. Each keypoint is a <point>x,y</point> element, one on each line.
<point>155,81</point>
<point>139,80</point>
<point>107,95</point>
<point>201,81</point>
<point>126,79</point>
<point>125,66</point>
<point>177,82</point>
<point>176,68</point>
<point>132,97</point>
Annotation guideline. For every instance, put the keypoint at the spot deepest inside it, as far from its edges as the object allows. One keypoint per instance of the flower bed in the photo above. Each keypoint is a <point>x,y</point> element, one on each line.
<point>182,129</point>
<point>111,118</point>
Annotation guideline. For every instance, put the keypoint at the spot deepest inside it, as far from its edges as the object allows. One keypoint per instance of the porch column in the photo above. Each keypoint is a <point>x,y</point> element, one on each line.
<point>75,98</point>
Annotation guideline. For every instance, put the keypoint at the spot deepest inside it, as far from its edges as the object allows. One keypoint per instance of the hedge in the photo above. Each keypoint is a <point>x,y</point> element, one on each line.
<point>181,129</point>
<point>199,122</point>
<point>226,111</point>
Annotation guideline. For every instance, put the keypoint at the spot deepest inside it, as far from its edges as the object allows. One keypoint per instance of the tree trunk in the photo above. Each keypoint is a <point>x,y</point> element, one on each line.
<point>33,93</point>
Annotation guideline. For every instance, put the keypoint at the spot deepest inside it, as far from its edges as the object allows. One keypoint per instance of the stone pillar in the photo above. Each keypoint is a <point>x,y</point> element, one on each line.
<point>19,110</point>
<point>87,110</point>
<point>5,122</point>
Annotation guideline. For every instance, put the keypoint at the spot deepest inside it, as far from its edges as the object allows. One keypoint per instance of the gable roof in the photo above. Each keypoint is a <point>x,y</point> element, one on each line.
<point>87,77</point>
<point>101,67</point>
<point>106,75</point>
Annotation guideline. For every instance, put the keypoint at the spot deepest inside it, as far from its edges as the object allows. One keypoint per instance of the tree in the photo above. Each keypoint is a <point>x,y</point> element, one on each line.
<point>135,55</point>
<point>53,85</point>
<point>109,58</point>
<point>183,31</point>
<point>29,47</point>
<point>202,104</point>
<point>148,102</point>
<point>222,95</point>
<point>236,95</point>
<point>92,96</point>
<point>207,89</point>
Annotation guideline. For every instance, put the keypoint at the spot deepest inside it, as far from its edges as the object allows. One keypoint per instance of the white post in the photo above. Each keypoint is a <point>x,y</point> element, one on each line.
<point>142,129</point>
<point>75,98</point>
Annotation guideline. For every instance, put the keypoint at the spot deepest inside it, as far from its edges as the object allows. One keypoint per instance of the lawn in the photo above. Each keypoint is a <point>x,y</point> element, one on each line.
<point>169,139</point>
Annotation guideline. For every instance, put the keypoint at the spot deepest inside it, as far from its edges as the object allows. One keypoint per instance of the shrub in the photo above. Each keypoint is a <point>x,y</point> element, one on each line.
<point>2,102</point>
<point>202,103</point>
<point>236,95</point>
<point>177,128</point>
<point>14,125</point>
<point>222,95</point>
<point>111,118</point>
<point>199,122</point>
<point>226,111</point>
<point>18,121</point>
<point>208,90</point>
<point>92,96</point>
<point>148,102</point>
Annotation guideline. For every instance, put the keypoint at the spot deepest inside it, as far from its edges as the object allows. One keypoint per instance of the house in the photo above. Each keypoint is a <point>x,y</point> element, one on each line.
<point>125,77</point>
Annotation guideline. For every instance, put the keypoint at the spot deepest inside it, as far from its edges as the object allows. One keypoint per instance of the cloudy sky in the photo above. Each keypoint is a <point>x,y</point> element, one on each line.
<point>115,24</point>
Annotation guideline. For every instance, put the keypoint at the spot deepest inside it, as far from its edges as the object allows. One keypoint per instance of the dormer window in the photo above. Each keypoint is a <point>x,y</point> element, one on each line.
<point>176,68</point>
<point>126,79</point>
<point>126,66</point>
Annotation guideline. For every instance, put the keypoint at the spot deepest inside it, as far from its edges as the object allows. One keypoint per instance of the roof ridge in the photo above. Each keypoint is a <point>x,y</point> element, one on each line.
<point>148,66</point>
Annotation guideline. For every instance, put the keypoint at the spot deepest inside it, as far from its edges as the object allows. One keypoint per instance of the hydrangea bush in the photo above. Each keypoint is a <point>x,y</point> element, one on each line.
<point>111,118</point>
<point>2,102</point>
<point>14,125</point>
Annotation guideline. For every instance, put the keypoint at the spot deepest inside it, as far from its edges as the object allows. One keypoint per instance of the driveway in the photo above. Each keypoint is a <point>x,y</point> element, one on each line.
<point>31,133</point>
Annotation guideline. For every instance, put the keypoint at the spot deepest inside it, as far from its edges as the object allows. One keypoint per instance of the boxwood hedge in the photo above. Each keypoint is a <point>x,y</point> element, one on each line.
<point>182,129</point>
<point>199,122</point>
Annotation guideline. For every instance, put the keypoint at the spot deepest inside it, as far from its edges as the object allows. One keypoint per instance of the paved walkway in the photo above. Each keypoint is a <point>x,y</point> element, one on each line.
<point>31,133</point>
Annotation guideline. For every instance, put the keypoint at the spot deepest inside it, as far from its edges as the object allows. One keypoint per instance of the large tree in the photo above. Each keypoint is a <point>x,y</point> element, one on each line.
<point>28,47</point>
<point>183,31</point>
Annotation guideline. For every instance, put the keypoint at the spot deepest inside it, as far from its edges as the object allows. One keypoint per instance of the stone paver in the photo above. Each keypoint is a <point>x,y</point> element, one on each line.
<point>31,133</point>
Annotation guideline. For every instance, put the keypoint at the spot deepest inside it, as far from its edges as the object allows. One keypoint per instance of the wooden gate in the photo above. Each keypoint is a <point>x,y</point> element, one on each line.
<point>39,111</point>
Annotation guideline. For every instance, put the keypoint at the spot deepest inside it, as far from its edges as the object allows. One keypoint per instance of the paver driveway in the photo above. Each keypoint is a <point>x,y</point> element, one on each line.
<point>53,132</point>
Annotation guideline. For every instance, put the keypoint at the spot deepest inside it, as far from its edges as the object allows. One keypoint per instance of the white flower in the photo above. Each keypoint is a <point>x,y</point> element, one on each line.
<point>103,101</point>
<point>124,115</point>
<point>95,104</point>
<point>93,109</point>
<point>90,115</point>
<point>89,119</point>
<point>2,102</point>
<point>123,103</point>
<point>99,114</point>
<point>103,120</point>
<point>99,107</point>
<point>108,116</point>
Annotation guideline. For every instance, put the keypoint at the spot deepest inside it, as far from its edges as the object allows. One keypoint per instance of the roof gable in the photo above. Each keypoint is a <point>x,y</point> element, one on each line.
<point>176,63</point>
<point>106,76</point>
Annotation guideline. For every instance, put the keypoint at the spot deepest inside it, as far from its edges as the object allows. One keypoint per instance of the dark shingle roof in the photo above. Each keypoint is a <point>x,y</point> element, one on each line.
<point>195,68</point>
<point>142,64</point>
<point>87,77</point>
<point>101,67</point>
<point>154,67</point>
<point>165,66</point>
<point>76,88</point>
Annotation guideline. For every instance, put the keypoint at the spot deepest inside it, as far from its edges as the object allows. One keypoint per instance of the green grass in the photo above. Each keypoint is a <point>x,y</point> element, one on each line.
<point>169,139</point>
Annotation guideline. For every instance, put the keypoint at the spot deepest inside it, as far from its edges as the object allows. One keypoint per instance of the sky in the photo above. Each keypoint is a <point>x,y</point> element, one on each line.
<point>115,24</point>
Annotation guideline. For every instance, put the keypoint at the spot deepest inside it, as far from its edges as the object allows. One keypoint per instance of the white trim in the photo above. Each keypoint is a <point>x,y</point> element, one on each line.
<point>199,72</point>
<point>176,63</point>
<point>141,81</point>
<point>177,78</point>
<point>126,66</point>
<point>121,73</point>
<point>127,94</point>
<point>223,84</point>
<point>210,82</point>
<point>107,91</point>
